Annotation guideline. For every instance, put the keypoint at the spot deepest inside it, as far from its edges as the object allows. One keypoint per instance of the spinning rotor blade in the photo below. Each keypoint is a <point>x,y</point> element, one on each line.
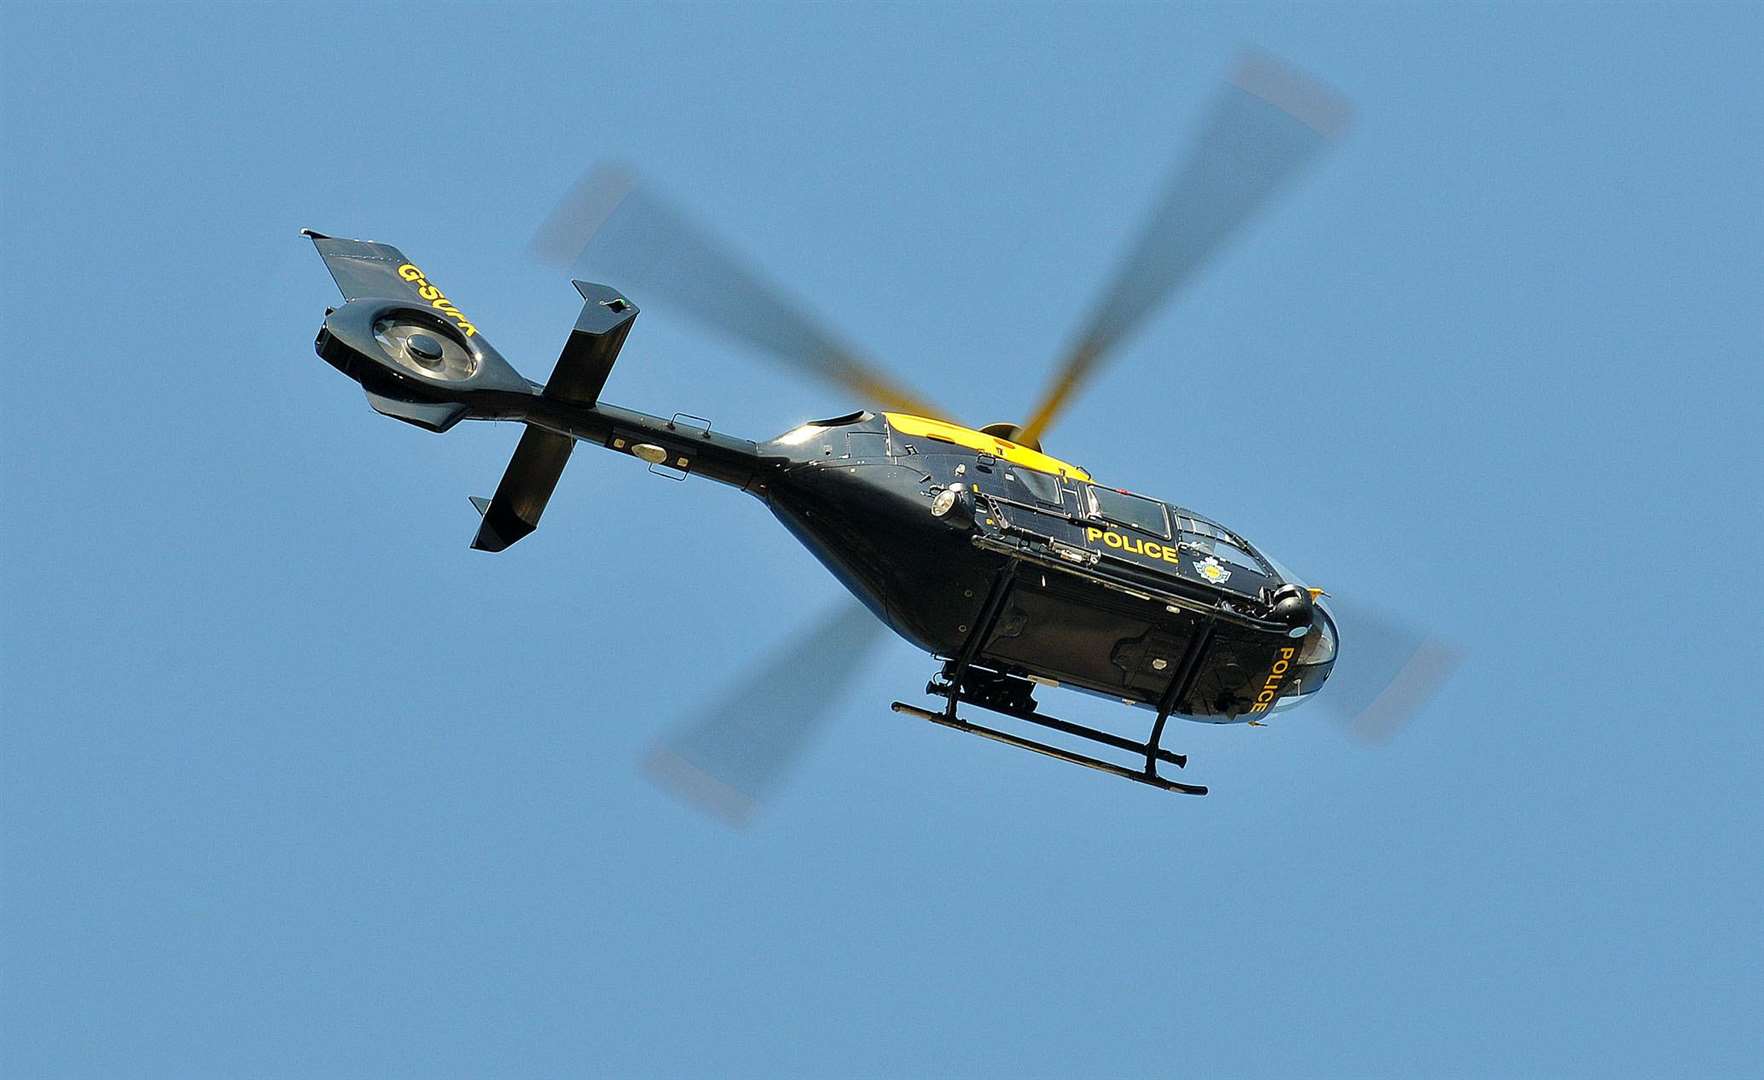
<point>1266,124</point>
<point>630,235</point>
<point>1386,673</point>
<point>729,758</point>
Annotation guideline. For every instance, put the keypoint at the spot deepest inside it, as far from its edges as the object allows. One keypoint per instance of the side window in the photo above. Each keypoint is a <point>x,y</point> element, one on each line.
<point>1134,511</point>
<point>1044,488</point>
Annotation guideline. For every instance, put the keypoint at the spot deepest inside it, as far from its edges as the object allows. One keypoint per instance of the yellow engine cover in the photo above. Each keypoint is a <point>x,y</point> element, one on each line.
<point>1004,449</point>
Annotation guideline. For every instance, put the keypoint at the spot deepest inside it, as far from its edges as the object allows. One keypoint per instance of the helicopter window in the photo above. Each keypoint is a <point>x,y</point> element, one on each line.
<point>1134,511</point>
<point>1045,488</point>
<point>1214,539</point>
<point>1222,548</point>
<point>1320,647</point>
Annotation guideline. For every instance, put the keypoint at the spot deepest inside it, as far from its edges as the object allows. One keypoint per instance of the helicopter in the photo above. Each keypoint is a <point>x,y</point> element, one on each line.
<point>1016,569</point>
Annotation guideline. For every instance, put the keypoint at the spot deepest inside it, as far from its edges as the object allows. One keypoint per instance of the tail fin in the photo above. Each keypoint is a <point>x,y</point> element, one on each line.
<point>419,358</point>
<point>532,474</point>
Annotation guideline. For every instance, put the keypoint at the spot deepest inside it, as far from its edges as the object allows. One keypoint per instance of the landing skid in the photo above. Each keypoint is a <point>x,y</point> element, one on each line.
<point>949,719</point>
<point>1008,696</point>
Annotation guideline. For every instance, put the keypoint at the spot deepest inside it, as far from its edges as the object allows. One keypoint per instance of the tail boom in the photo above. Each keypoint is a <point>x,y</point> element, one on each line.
<point>420,361</point>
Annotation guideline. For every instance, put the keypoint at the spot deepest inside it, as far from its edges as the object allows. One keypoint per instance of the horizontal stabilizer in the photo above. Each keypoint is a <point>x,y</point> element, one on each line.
<point>363,268</point>
<point>539,460</point>
<point>526,487</point>
<point>594,344</point>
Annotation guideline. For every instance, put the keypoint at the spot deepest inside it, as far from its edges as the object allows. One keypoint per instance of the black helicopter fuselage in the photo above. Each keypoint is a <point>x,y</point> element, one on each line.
<point>1015,567</point>
<point>1168,608</point>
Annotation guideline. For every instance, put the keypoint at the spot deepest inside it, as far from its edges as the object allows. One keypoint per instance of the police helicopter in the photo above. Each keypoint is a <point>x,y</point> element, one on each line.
<point>1016,569</point>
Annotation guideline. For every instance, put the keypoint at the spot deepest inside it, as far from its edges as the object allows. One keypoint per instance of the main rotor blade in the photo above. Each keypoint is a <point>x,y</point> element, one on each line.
<point>1265,125</point>
<point>628,234</point>
<point>729,758</point>
<point>1386,672</point>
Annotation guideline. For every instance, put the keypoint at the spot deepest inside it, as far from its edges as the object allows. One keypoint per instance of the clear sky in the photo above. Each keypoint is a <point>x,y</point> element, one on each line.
<point>295,784</point>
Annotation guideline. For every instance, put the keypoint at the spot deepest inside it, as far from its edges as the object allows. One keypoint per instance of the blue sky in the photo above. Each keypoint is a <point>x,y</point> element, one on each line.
<point>295,784</point>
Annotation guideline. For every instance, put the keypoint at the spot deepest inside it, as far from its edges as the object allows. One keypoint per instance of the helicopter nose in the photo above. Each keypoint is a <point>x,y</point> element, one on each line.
<point>1316,657</point>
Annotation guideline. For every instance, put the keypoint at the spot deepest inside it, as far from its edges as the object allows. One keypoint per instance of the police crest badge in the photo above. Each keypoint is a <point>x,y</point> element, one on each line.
<point>1210,569</point>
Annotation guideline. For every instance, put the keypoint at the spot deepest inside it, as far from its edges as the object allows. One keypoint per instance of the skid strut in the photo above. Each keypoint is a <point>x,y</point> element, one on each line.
<point>951,685</point>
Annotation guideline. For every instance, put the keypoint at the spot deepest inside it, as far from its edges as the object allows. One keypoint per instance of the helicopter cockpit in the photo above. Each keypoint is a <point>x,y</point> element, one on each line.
<point>1216,541</point>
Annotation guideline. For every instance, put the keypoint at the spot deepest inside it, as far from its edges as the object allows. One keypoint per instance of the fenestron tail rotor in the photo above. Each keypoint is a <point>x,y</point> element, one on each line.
<point>626,232</point>
<point>1267,123</point>
<point>727,759</point>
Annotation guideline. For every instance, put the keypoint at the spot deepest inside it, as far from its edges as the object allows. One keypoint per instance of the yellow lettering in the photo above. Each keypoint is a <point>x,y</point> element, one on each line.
<point>1093,535</point>
<point>1112,539</point>
<point>1271,685</point>
<point>438,300</point>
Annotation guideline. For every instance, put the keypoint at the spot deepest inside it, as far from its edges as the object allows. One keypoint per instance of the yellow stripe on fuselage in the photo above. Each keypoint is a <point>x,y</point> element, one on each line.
<point>1003,449</point>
